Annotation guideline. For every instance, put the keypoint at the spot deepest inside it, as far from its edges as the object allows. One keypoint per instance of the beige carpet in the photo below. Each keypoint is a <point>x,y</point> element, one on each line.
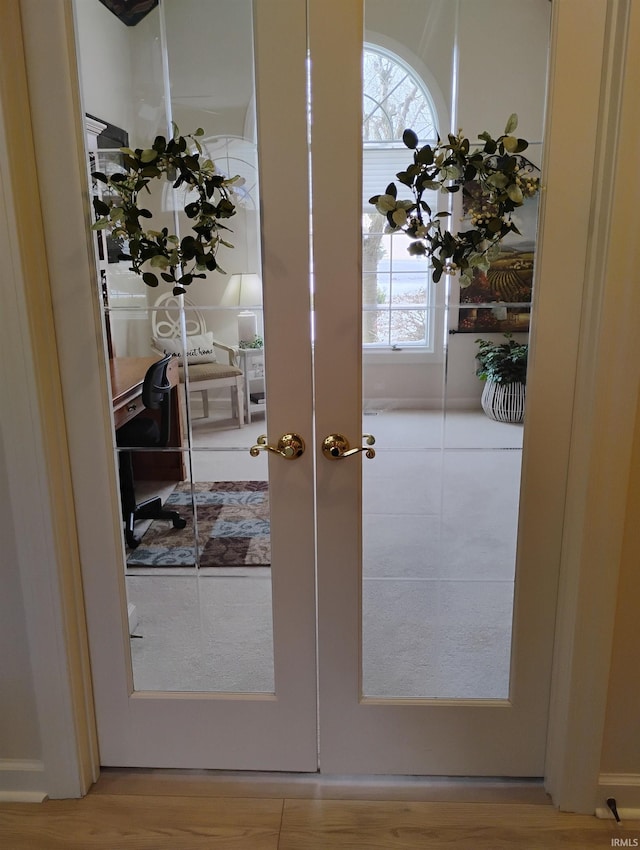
<point>439,535</point>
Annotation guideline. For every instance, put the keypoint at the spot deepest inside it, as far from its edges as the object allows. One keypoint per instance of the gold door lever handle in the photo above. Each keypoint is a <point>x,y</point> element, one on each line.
<point>336,447</point>
<point>290,446</point>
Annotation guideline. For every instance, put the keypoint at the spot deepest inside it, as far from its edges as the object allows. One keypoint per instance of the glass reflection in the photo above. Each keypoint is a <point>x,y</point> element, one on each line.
<point>440,502</point>
<point>199,596</point>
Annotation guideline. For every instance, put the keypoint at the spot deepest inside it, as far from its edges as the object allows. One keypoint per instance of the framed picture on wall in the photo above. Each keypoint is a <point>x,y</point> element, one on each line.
<point>500,299</point>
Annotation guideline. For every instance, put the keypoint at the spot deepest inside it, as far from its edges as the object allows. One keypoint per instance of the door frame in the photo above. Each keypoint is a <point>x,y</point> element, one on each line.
<point>605,404</point>
<point>593,519</point>
<point>276,730</point>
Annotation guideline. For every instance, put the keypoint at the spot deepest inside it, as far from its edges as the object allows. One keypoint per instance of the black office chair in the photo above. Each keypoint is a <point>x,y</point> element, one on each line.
<point>145,432</point>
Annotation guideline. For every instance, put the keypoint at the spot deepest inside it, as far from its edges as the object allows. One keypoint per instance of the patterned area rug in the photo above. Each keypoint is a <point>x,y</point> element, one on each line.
<point>232,519</point>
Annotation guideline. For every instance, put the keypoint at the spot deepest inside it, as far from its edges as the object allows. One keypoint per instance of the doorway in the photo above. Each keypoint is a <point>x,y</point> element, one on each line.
<point>383,719</point>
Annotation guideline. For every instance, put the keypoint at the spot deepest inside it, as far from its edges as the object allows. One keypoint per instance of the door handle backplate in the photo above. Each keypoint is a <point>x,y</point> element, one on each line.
<point>289,446</point>
<point>336,447</point>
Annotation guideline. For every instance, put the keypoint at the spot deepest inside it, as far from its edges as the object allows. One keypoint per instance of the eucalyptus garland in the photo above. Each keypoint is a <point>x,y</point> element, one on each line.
<point>495,180</point>
<point>176,260</point>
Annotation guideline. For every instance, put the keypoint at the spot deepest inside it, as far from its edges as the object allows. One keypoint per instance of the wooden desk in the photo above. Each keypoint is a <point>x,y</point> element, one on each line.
<point>127,377</point>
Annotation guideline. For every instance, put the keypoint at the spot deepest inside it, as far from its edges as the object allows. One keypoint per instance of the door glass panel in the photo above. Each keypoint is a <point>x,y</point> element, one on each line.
<point>440,499</point>
<point>199,596</point>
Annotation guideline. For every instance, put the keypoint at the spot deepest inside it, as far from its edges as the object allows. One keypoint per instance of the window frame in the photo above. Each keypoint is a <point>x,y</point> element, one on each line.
<point>432,346</point>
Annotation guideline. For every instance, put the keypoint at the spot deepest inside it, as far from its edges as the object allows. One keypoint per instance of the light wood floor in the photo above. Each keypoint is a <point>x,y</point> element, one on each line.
<point>120,814</point>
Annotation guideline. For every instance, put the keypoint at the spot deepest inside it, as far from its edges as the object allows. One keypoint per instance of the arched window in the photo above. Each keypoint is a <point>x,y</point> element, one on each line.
<point>397,288</point>
<point>394,97</point>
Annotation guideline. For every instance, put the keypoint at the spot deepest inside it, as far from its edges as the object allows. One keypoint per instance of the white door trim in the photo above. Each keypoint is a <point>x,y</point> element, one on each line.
<point>582,84</point>
<point>607,380</point>
<point>575,643</point>
<point>625,789</point>
<point>35,444</point>
<point>279,731</point>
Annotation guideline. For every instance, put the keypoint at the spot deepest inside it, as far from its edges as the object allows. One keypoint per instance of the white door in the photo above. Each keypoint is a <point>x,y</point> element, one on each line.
<point>222,717</point>
<point>434,652</point>
<point>220,670</point>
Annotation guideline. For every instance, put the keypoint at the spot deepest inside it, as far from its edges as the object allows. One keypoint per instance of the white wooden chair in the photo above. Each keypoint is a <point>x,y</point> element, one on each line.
<point>206,370</point>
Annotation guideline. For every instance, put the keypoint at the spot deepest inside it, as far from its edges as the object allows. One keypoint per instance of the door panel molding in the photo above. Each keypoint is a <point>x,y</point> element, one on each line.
<point>336,181</point>
<point>281,98</point>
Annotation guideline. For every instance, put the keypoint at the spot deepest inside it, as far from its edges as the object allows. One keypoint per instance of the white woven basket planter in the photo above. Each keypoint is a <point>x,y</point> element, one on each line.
<point>503,402</point>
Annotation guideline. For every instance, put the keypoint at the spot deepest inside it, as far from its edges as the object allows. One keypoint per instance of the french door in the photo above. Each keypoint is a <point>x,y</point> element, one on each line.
<point>330,631</point>
<point>432,595</point>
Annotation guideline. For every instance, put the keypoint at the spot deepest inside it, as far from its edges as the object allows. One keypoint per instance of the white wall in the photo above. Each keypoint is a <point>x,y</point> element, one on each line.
<point>621,746</point>
<point>19,735</point>
<point>502,48</point>
<point>105,63</point>
<point>19,732</point>
<point>216,93</point>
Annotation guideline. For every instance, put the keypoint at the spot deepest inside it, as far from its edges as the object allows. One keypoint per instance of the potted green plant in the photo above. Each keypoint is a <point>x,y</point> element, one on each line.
<point>154,252</point>
<point>503,368</point>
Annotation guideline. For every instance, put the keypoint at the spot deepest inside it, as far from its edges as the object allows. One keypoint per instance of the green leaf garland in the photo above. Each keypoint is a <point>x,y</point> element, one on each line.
<point>501,178</point>
<point>180,161</point>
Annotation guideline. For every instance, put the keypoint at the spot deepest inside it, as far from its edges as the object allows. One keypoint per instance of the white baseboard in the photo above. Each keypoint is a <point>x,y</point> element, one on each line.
<point>625,789</point>
<point>380,405</point>
<point>22,796</point>
<point>22,781</point>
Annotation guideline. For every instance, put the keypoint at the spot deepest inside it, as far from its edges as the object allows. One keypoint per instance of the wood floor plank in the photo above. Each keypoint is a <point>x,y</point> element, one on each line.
<point>343,825</point>
<point>118,822</point>
<point>141,823</point>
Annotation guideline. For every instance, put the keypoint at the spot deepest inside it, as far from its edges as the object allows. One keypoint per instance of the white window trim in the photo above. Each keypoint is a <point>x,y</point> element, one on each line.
<point>408,353</point>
